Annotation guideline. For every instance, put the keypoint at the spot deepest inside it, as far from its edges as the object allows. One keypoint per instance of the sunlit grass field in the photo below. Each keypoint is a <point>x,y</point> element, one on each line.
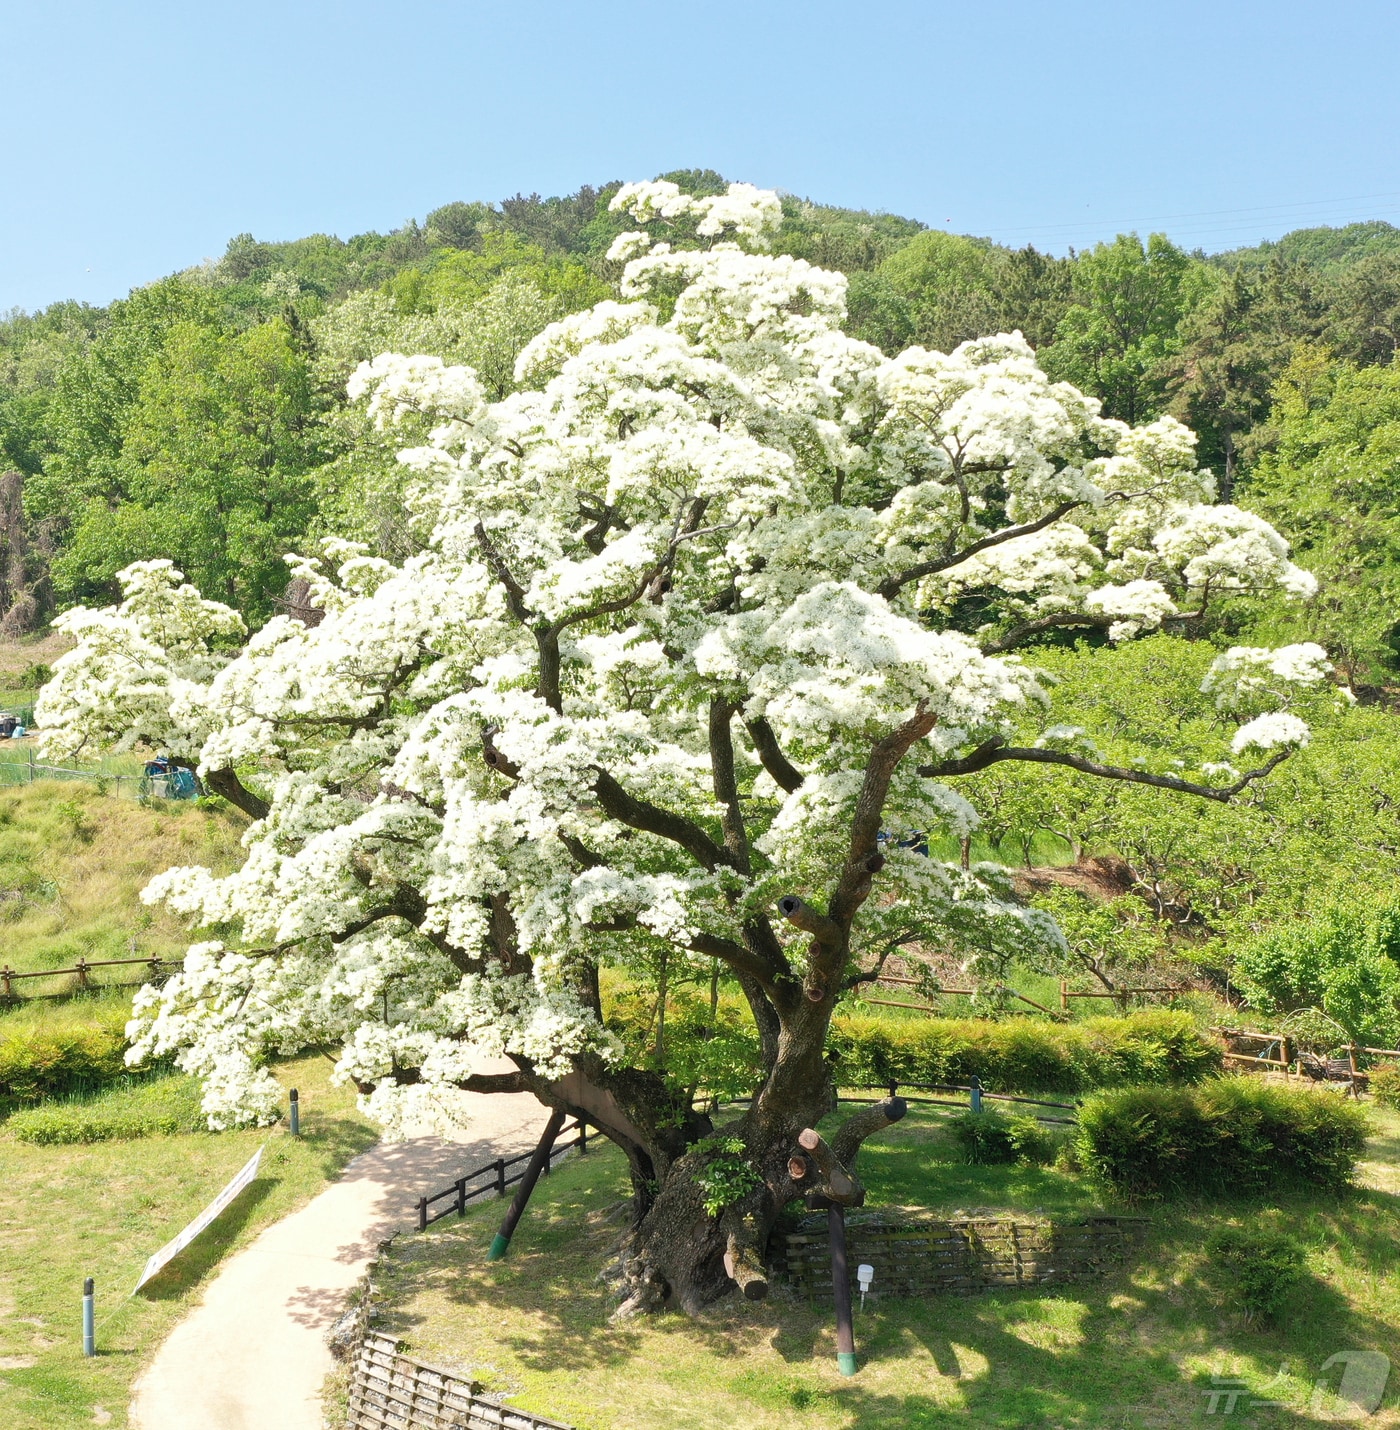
<point>1136,1349</point>
<point>100,1210</point>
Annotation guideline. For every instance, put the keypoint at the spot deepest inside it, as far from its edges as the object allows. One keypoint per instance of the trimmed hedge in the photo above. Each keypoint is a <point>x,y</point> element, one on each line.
<point>163,1107</point>
<point>41,1062</point>
<point>992,1138</point>
<point>1229,1135</point>
<point>1024,1054</point>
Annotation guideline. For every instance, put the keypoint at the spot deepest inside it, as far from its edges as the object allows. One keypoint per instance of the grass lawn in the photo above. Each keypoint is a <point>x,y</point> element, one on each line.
<point>100,1210</point>
<point>1137,1349</point>
<point>72,862</point>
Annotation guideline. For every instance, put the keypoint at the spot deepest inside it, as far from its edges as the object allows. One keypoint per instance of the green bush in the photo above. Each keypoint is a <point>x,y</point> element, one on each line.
<point>38,1062</point>
<point>1385,1085</point>
<point>1259,1267</point>
<point>1229,1135</point>
<point>1023,1054</point>
<point>165,1106</point>
<point>990,1138</point>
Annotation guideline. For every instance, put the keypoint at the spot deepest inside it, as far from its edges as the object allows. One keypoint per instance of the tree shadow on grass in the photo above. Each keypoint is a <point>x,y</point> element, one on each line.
<point>1141,1347</point>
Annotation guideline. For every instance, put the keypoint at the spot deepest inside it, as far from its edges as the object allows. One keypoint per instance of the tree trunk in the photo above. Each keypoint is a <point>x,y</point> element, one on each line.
<point>679,1255</point>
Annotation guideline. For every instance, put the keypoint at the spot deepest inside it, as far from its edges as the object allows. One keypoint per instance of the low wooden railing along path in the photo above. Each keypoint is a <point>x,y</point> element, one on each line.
<point>82,969</point>
<point>461,1194</point>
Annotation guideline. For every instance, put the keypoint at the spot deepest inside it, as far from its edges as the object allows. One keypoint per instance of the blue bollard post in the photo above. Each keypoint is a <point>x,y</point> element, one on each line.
<point>974,1093</point>
<point>89,1330</point>
<point>296,1114</point>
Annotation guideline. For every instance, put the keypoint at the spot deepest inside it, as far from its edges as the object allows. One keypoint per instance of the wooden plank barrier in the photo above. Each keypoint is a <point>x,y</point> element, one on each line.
<point>916,1254</point>
<point>82,971</point>
<point>392,1391</point>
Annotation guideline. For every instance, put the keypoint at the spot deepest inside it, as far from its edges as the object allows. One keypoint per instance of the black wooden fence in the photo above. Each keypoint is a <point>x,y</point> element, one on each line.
<point>498,1176</point>
<point>976,1095</point>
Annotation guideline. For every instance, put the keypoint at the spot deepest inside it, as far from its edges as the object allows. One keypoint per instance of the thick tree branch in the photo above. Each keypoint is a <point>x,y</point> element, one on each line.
<point>837,1182</point>
<point>891,586</point>
<point>992,752</point>
<point>515,593</point>
<point>785,774</point>
<point>494,1082</point>
<point>636,813</point>
<point>863,859</point>
<point>736,839</point>
<point>226,783</point>
<point>1017,634</point>
<point>860,1125</point>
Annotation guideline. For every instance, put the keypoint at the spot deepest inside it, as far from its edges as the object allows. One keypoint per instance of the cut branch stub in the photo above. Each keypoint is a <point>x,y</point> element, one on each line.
<point>744,1265</point>
<point>803,916</point>
<point>838,1184</point>
<point>798,1167</point>
<point>494,757</point>
<point>859,1125</point>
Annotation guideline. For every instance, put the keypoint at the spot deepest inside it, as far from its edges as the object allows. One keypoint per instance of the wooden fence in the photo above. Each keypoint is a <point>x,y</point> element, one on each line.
<point>392,1391</point>
<point>1121,996</point>
<point>976,1095</point>
<point>916,1254</point>
<point>82,972</point>
<point>459,1193</point>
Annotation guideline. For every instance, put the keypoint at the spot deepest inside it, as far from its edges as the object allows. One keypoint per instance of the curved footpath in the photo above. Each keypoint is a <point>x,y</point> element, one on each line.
<point>252,1355</point>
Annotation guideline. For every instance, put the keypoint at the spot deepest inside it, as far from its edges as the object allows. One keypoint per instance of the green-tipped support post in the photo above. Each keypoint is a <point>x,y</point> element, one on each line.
<point>841,1285</point>
<point>295,1114</point>
<point>89,1331</point>
<point>500,1243</point>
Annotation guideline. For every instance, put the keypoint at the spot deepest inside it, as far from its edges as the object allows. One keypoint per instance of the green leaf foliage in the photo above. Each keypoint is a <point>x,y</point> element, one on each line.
<point>1226,1137</point>
<point>162,1107</point>
<point>1022,1054</point>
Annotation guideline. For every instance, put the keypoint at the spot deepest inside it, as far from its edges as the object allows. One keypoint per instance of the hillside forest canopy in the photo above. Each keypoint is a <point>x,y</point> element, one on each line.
<point>653,622</point>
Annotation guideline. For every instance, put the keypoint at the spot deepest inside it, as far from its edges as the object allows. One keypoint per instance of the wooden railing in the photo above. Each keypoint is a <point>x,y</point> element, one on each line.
<point>82,969</point>
<point>460,1193</point>
<point>976,1096</point>
<point>1121,996</point>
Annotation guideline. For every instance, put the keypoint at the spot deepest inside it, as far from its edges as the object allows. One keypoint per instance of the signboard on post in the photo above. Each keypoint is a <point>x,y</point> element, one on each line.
<point>209,1214</point>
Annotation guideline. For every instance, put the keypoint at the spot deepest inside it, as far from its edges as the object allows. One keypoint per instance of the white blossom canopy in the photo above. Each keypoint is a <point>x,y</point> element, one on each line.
<point>679,594</point>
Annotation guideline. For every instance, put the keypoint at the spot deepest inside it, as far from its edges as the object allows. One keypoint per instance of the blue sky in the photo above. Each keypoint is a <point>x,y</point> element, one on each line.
<point>140,136</point>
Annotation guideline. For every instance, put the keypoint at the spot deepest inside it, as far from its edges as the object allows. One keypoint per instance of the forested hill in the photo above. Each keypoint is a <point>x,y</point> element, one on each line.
<point>204,416</point>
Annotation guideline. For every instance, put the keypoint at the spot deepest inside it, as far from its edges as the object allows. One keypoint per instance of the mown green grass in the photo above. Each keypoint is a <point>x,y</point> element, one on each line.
<point>1137,1349</point>
<point>100,1210</point>
<point>73,861</point>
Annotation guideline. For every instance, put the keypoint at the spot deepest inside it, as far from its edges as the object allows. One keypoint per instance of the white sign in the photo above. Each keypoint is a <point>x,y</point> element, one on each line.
<point>173,1248</point>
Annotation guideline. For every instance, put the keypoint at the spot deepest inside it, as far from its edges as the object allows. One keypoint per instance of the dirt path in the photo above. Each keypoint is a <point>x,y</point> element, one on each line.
<point>252,1355</point>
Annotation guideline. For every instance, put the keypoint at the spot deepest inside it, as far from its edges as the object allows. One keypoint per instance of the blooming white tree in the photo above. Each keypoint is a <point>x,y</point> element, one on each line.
<point>715,612</point>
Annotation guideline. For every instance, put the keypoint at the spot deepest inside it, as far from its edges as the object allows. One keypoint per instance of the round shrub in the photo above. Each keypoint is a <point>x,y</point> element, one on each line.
<point>1260,1267</point>
<point>1385,1085</point>
<point>989,1138</point>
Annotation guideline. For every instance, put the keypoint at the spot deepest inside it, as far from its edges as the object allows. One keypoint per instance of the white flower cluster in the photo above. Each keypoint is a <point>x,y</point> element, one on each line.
<point>1268,732</point>
<point>748,211</point>
<point>734,508</point>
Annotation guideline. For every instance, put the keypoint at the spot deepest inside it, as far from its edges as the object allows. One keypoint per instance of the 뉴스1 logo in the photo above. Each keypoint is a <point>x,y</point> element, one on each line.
<point>1349,1386</point>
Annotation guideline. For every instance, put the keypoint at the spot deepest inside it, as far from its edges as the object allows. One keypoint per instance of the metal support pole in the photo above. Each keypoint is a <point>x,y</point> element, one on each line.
<point>974,1094</point>
<point>461,1196</point>
<point>296,1114</point>
<point>582,1138</point>
<point>841,1286</point>
<point>539,1158</point>
<point>89,1331</point>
